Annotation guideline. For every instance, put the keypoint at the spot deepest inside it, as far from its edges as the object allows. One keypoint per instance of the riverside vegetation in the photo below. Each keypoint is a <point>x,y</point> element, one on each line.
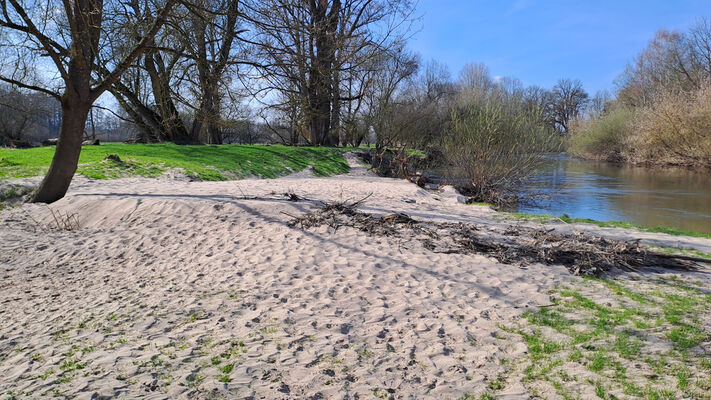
<point>662,112</point>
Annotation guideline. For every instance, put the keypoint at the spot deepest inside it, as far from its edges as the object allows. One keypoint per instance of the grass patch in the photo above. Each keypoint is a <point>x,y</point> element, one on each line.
<point>608,224</point>
<point>681,250</point>
<point>206,162</point>
<point>634,339</point>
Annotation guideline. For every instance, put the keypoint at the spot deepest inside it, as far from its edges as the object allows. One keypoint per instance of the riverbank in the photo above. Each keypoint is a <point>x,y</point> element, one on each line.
<point>658,165</point>
<point>174,289</point>
<point>605,224</point>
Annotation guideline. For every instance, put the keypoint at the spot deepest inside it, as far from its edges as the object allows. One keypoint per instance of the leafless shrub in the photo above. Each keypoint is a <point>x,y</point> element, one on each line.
<point>674,129</point>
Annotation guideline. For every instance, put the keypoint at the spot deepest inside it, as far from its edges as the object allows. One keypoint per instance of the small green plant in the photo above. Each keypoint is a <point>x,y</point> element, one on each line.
<point>195,379</point>
<point>363,352</point>
<point>37,357</point>
<point>227,369</point>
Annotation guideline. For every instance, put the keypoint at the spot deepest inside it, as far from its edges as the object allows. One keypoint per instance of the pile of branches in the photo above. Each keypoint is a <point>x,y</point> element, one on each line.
<point>580,253</point>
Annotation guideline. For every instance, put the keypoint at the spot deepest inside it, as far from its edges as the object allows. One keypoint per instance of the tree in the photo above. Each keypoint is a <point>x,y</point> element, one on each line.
<point>25,116</point>
<point>378,92</point>
<point>672,63</point>
<point>308,47</point>
<point>145,91</point>
<point>209,38</point>
<point>72,34</point>
<point>567,100</point>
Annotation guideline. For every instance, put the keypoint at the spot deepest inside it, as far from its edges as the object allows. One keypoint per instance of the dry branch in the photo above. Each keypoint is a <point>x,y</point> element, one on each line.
<point>581,254</point>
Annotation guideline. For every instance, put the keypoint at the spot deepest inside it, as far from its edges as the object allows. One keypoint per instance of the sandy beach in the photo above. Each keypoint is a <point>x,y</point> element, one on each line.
<point>177,289</point>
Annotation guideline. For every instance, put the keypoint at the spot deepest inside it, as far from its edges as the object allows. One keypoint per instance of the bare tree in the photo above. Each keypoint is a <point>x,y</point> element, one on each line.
<point>285,118</point>
<point>567,100</point>
<point>209,39</point>
<point>25,116</point>
<point>699,42</point>
<point>672,62</point>
<point>72,34</point>
<point>145,91</point>
<point>308,47</point>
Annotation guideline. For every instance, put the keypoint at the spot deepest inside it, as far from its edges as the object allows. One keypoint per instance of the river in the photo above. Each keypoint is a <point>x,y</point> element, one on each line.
<point>611,192</point>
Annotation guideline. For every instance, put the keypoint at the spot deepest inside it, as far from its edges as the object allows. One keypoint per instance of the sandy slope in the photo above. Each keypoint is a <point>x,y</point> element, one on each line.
<point>168,282</point>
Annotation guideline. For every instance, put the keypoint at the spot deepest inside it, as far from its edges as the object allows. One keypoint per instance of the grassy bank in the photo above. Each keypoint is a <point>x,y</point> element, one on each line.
<point>608,224</point>
<point>211,163</point>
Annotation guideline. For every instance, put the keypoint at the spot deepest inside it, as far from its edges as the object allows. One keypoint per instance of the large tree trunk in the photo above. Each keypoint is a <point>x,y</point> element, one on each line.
<point>336,128</point>
<point>321,75</point>
<point>172,126</point>
<point>148,122</point>
<point>66,156</point>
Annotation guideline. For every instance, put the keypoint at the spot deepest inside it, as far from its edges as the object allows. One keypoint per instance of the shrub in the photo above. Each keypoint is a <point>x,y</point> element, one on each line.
<point>492,146</point>
<point>674,129</point>
<point>604,138</point>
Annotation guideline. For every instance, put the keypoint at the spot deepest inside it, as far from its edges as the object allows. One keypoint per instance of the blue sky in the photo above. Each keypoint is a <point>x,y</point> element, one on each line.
<point>540,41</point>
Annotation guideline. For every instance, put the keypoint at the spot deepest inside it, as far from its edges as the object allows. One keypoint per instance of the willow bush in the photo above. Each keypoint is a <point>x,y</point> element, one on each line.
<point>604,138</point>
<point>674,128</point>
<point>492,146</point>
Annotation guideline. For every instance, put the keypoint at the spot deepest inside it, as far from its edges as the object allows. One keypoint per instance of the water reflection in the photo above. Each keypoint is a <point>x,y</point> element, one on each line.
<point>606,191</point>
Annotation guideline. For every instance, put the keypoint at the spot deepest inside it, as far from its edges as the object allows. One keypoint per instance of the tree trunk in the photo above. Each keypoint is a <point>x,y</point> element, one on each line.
<point>172,127</point>
<point>147,120</point>
<point>66,156</point>
<point>336,128</point>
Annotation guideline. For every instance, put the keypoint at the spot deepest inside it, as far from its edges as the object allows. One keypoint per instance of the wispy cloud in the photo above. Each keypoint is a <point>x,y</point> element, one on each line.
<point>518,6</point>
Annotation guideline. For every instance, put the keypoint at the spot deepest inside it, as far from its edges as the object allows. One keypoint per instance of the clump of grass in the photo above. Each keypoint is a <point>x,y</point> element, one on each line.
<point>364,352</point>
<point>12,194</point>
<point>195,379</point>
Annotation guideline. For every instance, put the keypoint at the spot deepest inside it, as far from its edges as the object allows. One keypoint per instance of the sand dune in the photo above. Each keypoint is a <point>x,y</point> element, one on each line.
<point>177,289</point>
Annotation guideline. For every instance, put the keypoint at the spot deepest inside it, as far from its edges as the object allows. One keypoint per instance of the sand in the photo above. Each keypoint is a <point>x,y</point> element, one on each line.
<point>176,289</point>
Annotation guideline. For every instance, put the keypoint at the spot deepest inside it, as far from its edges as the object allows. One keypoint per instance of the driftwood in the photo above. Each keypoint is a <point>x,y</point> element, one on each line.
<point>16,144</point>
<point>581,254</point>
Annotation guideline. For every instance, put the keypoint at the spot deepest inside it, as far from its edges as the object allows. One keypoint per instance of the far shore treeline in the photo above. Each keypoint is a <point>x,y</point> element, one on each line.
<point>661,114</point>
<point>327,73</point>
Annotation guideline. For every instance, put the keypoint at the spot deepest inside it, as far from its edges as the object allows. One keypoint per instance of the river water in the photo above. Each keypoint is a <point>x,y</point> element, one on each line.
<point>611,192</point>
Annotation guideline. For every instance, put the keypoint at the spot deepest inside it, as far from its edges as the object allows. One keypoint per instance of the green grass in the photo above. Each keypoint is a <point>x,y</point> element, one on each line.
<point>608,224</point>
<point>681,250</point>
<point>480,203</point>
<point>208,162</point>
<point>621,331</point>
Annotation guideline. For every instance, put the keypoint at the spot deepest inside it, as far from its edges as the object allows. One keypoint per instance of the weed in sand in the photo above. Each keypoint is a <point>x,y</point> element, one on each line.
<point>46,374</point>
<point>363,352</point>
<point>37,357</point>
<point>195,379</point>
